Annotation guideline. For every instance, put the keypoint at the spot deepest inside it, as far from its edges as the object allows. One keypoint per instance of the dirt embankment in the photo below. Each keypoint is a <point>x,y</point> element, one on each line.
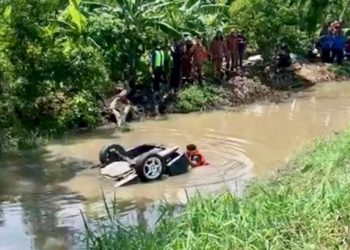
<point>257,83</point>
<point>317,73</point>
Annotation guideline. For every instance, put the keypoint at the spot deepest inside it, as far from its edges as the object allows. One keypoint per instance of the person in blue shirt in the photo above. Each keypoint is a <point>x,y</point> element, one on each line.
<point>326,42</point>
<point>338,45</point>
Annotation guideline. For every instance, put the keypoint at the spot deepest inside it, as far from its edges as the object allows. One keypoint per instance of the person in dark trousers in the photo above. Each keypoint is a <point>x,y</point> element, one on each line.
<point>283,57</point>
<point>338,45</point>
<point>158,66</point>
<point>158,59</point>
<point>326,43</point>
<point>241,47</point>
<point>187,60</point>
<point>176,71</point>
<point>347,49</point>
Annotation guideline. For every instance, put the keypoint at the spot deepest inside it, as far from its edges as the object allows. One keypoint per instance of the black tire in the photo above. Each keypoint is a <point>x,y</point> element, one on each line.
<point>144,164</point>
<point>107,153</point>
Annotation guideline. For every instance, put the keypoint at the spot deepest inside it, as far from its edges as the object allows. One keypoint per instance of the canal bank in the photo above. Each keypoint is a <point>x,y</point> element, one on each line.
<point>43,192</point>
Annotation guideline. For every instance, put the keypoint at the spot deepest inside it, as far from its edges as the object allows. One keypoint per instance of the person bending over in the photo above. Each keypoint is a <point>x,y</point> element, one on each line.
<point>195,157</point>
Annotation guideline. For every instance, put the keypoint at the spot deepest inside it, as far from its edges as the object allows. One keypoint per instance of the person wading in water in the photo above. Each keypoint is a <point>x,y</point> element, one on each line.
<point>195,157</point>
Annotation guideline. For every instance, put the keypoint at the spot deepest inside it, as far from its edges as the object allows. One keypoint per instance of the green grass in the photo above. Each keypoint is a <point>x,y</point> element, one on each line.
<point>308,207</point>
<point>342,70</point>
<point>199,98</point>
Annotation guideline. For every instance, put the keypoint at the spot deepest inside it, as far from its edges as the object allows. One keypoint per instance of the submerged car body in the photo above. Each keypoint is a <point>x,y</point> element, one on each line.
<point>147,161</point>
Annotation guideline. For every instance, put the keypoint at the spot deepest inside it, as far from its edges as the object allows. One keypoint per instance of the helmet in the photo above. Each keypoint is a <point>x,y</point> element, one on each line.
<point>219,31</point>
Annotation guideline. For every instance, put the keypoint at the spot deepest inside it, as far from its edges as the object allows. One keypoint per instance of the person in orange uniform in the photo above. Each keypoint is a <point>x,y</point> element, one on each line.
<point>217,51</point>
<point>195,157</point>
<point>200,57</point>
<point>231,51</point>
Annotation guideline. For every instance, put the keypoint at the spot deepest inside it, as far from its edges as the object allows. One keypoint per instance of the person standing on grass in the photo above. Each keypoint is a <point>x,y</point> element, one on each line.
<point>347,48</point>
<point>326,42</point>
<point>200,57</point>
<point>232,51</point>
<point>241,47</point>
<point>158,67</point>
<point>187,59</point>
<point>158,63</point>
<point>338,45</point>
<point>325,29</point>
<point>176,71</point>
<point>217,53</point>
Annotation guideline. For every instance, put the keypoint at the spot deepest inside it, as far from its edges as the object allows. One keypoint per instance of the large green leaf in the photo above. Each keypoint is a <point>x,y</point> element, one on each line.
<point>7,12</point>
<point>77,17</point>
<point>167,28</point>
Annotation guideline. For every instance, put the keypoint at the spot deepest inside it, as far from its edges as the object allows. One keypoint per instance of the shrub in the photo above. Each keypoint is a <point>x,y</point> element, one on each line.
<point>198,98</point>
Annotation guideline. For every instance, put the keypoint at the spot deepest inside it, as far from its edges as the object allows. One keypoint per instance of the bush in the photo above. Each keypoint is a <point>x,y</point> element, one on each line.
<point>269,24</point>
<point>199,98</point>
<point>81,110</point>
<point>52,77</point>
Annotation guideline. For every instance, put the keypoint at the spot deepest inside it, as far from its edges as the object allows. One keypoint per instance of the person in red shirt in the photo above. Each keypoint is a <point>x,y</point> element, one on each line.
<point>200,57</point>
<point>195,157</point>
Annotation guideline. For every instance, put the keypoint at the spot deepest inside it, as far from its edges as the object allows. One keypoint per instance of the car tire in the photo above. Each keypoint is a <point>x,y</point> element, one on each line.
<point>150,167</point>
<point>107,153</point>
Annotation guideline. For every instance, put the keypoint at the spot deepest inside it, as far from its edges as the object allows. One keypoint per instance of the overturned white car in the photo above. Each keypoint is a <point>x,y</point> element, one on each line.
<point>147,161</point>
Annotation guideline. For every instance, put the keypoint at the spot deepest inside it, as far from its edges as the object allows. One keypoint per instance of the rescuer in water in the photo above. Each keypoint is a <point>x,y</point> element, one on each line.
<point>195,157</point>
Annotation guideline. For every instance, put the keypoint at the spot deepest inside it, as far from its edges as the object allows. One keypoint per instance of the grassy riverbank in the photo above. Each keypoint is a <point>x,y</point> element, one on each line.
<point>305,208</point>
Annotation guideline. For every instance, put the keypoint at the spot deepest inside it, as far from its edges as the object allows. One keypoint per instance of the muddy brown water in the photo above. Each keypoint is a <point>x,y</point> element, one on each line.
<point>43,192</point>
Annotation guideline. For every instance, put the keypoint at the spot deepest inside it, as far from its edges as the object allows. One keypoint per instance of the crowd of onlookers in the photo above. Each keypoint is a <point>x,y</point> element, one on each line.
<point>333,43</point>
<point>189,55</point>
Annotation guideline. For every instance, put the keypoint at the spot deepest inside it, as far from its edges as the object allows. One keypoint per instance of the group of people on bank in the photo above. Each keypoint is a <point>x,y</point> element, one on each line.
<point>189,55</point>
<point>333,42</point>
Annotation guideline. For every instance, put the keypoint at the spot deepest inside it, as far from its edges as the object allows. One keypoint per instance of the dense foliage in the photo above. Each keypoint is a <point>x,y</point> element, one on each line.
<point>59,57</point>
<point>305,209</point>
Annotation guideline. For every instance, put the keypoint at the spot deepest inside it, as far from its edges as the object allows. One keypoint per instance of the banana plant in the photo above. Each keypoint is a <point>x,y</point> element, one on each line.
<point>75,15</point>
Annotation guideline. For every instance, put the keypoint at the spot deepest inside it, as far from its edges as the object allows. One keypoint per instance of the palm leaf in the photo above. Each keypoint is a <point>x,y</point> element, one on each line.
<point>167,28</point>
<point>238,5</point>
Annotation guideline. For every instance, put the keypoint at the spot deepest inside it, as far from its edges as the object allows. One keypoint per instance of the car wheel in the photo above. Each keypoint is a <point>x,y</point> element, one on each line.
<point>149,168</point>
<point>108,153</point>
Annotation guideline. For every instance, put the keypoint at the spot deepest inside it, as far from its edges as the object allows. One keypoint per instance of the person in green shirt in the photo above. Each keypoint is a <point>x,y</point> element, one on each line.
<point>158,66</point>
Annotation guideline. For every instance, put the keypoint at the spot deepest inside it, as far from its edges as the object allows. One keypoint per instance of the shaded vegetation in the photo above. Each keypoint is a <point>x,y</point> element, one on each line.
<point>304,209</point>
<point>59,58</point>
<point>197,98</point>
<point>341,70</point>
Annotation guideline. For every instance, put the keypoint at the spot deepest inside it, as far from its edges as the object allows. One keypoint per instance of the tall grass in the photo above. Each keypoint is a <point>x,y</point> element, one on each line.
<point>306,208</point>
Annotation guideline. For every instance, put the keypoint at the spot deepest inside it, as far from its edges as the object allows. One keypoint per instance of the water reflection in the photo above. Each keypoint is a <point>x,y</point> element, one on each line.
<point>30,183</point>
